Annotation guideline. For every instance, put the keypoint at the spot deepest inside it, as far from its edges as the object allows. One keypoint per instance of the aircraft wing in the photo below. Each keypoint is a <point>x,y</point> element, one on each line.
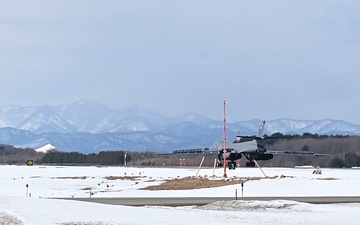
<point>190,151</point>
<point>296,153</point>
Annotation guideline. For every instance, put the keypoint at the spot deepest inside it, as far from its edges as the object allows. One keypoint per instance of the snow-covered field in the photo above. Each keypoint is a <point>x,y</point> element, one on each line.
<point>24,191</point>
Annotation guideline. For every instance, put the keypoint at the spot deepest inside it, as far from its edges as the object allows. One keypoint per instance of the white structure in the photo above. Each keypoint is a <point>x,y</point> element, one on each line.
<point>45,148</point>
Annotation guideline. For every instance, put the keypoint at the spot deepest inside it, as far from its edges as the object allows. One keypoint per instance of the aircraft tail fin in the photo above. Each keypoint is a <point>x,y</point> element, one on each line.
<point>261,130</point>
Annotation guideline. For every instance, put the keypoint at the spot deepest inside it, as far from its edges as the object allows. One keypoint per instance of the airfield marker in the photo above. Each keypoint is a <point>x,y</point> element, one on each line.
<point>242,190</point>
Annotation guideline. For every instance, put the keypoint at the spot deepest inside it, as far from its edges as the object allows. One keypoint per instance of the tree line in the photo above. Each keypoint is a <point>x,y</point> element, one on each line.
<point>344,151</point>
<point>12,155</point>
<point>336,146</point>
<point>101,158</point>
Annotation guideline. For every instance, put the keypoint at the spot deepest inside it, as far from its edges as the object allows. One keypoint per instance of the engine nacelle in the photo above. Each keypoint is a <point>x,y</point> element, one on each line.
<point>263,157</point>
<point>234,156</point>
<point>229,156</point>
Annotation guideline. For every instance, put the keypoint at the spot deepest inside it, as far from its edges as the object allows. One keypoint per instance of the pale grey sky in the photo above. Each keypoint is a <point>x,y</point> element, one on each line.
<point>268,59</point>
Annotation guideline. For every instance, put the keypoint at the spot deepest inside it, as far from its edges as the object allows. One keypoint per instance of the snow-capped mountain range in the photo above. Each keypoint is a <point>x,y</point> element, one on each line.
<point>88,126</point>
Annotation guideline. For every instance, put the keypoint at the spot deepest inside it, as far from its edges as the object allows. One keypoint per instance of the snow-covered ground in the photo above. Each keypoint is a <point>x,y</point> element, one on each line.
<point>18,183</point>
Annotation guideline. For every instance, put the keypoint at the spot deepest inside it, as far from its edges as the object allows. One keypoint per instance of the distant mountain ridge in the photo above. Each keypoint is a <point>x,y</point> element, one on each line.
<point>88,126</point>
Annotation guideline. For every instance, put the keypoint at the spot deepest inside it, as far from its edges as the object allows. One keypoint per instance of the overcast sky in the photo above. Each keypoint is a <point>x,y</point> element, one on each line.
<point>268,59</point>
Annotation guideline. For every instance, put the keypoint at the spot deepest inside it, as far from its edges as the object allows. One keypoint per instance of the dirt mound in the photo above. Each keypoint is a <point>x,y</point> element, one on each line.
<point>188,183</point>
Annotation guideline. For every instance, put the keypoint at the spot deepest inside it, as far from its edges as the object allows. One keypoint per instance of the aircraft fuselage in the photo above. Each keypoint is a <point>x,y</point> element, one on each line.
<point>234,151</point>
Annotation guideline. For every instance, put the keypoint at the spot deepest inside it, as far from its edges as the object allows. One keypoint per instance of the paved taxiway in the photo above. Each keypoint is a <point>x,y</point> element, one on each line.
<point>181,201</point>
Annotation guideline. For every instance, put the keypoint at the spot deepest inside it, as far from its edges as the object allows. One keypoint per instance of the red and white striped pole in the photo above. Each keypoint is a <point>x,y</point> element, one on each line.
<point>225,175</point>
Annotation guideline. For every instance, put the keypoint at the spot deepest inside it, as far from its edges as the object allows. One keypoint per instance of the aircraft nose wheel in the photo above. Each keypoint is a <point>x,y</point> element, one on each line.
<point>232,165</point>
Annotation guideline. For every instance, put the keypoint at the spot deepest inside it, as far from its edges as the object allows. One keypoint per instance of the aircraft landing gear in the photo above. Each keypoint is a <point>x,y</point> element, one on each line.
<point>250,164</point>
<point>232,165</point>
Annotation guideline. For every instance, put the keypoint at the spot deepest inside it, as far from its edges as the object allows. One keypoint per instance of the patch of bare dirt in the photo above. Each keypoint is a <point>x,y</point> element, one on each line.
<point>86,189</point>
<point>132,178</point>
<point>188,183</point>
<point>283,176</point>
<point>78,177</point>
<point>327,178</point>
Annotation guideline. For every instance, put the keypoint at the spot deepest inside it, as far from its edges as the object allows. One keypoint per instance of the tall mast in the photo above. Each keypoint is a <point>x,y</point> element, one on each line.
<point>225,176</point>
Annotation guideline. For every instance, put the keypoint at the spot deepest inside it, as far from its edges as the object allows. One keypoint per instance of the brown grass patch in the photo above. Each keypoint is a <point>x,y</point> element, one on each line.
<point>152,180</point>
<point>86,189</point>
<point>78,177</point>
<point>327,178</point>
<point>188,183</point>
<point>132,178</point>
<point>283,176</point>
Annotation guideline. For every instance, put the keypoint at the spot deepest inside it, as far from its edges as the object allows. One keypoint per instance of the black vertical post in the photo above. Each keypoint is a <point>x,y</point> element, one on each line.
<point>242,190</point>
